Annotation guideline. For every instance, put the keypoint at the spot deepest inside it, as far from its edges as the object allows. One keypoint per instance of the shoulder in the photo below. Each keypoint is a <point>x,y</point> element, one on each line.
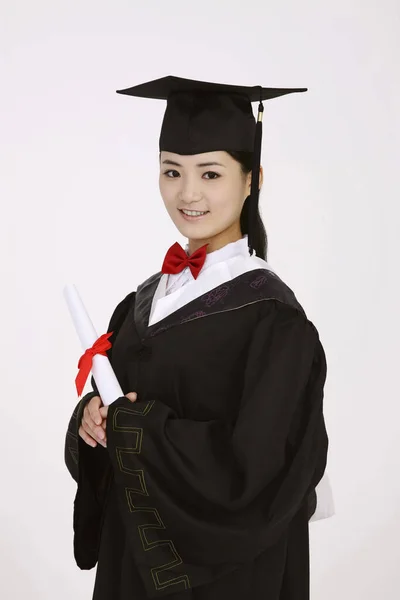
<point>150,281</point>
<point>270,285</point>
<point>280,299</point>
<point>126,304</point>
<point>121,311</point>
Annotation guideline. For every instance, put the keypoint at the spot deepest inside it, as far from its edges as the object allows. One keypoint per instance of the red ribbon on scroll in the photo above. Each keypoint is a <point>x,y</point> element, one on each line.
<point>85,362</point>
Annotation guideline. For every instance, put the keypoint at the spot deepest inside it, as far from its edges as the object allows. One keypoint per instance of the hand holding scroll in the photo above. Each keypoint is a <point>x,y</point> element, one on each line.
<point>94,420</point>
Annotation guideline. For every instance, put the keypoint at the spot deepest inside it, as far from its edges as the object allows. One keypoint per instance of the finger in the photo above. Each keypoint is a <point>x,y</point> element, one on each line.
<point>93,408</point>
<point>86,438</point>
<point>132,396</point>
<point>96,431</point>
<point>103,412</point>
<point>88,423</point>
<point>90,418</point>
<point>92,435</point>
<point>104,426</point>
<point>87,417</point>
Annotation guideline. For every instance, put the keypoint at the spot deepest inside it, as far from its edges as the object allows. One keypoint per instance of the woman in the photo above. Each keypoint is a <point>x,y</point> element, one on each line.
<point>200,482</point>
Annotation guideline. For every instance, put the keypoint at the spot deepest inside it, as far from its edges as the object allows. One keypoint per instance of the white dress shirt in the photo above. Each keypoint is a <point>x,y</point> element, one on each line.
<point>230,261</point>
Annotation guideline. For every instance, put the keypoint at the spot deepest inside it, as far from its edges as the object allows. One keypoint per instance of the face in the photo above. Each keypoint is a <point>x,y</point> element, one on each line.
<point>211,182</point>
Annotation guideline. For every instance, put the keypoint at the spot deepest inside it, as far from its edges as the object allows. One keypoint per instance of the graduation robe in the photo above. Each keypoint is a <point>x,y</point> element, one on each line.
<point>207,484</point>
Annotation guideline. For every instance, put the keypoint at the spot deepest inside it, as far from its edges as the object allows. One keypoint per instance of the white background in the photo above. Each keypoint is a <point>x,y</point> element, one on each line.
<point>80,203</point>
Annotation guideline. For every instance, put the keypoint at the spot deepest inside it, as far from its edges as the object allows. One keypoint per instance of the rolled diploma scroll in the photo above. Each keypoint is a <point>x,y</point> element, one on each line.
<point>103,373</point>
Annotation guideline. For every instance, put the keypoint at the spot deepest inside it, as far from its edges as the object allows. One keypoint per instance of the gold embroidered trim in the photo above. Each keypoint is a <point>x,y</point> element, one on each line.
<point>152,515</point>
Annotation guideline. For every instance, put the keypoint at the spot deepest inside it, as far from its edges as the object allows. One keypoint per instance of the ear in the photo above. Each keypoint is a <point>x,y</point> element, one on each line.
<point>248,183</point>
<point>260,181</point>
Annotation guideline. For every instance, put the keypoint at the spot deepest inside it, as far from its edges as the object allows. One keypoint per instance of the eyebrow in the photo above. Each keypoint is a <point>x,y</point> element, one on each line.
<point>205,164</point>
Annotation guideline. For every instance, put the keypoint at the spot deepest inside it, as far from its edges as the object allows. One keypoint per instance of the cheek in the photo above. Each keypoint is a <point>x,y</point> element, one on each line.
<point>161,186</point>
<point>227,198</point>
<point>168,192</point>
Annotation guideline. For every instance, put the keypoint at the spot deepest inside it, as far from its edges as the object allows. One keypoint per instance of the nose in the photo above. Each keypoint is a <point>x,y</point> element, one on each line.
<point>189,192</point>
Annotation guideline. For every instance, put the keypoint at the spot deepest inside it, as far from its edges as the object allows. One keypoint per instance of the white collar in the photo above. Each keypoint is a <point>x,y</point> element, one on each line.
<point>238,248</point>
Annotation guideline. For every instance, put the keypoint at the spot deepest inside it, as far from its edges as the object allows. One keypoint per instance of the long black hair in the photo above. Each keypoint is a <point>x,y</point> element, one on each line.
<point>245,159</point>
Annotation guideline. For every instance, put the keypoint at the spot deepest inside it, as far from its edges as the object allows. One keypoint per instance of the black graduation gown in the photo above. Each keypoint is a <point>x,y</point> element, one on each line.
<point>207,484</point>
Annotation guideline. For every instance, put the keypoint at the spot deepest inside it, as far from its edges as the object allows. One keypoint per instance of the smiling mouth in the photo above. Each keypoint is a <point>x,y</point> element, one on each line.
<point>195,211</point>
<point>197,215</point>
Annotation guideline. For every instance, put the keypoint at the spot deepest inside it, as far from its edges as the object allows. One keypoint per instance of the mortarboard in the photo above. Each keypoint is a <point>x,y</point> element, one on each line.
<point>204,117</point>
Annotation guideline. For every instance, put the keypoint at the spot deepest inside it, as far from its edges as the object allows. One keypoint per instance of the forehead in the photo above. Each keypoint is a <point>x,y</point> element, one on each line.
<point>217,156</point>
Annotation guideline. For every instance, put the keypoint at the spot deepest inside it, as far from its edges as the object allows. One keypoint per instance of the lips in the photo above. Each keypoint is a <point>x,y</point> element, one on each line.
<point>193,217</point>
<point>201,211</point>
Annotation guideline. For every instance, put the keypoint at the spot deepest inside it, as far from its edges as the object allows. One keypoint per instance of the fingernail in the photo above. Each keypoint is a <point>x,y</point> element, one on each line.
<point>101,435</point>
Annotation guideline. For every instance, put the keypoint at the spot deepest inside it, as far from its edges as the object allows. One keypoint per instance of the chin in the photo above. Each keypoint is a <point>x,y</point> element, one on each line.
<point>194,231</point>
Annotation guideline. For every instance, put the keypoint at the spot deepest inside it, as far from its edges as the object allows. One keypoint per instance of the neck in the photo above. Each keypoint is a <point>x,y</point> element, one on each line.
<point>216,242</point>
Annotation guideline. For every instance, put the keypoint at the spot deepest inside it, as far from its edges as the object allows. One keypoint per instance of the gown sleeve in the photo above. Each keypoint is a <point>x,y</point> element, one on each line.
<point>212,495</point>
<point>90,468</point>
<point>71,448</point>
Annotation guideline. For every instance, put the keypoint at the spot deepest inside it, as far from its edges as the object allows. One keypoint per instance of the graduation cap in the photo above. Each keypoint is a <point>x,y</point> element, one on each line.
<point>204,117</point>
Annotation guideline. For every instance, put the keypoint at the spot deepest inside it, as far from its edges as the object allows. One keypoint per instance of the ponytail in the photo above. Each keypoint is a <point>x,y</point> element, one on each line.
<point>260,244</point>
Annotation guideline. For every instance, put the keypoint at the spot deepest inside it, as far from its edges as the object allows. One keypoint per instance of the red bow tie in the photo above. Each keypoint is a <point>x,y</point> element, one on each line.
<point>176,260</point>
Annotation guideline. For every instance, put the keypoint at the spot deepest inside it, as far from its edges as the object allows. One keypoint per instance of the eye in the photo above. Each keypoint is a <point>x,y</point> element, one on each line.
<point>213,173</point>
<point>175,173</point>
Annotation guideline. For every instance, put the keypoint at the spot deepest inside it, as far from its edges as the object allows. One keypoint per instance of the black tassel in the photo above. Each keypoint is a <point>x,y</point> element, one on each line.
<point>255,181</point>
